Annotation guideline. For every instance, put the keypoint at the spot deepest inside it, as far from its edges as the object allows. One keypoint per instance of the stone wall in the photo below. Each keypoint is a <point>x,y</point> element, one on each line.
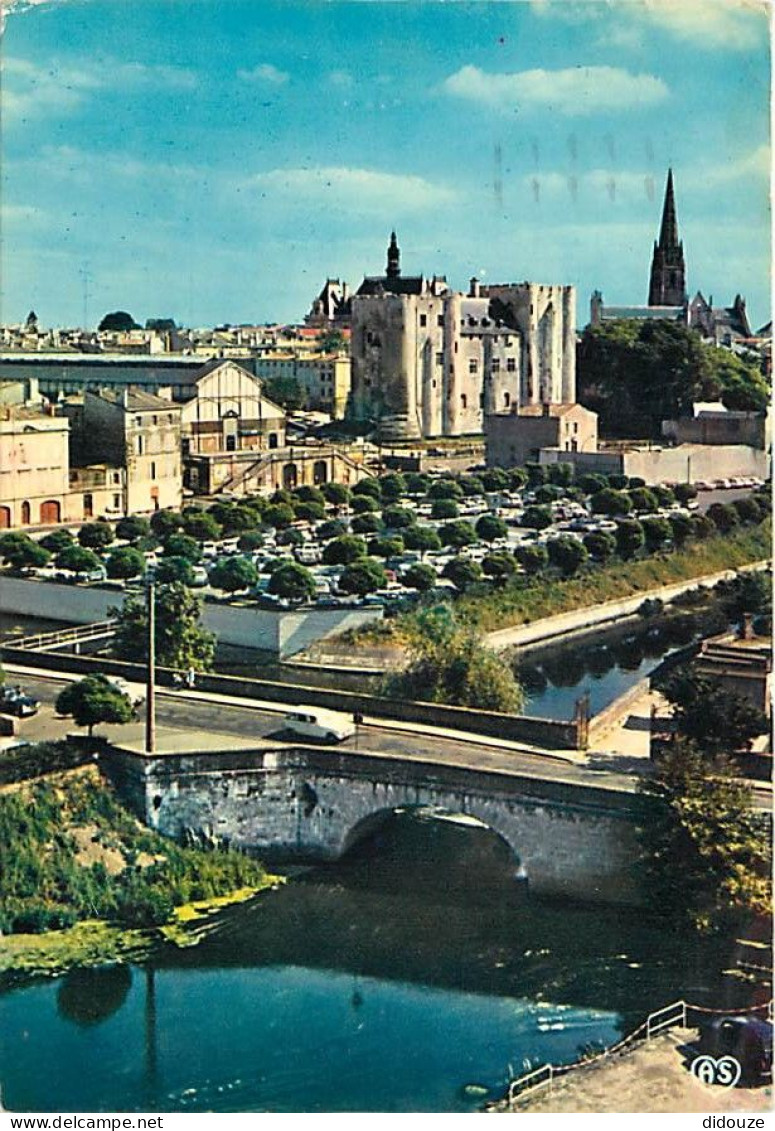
<point>307,804</point>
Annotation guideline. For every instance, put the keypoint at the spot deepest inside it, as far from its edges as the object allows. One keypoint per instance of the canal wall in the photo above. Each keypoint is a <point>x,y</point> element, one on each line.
<point>306,804</point>
<point>283,633</point>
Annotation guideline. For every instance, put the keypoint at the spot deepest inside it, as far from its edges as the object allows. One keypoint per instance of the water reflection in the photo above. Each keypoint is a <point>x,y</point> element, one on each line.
<point>91,995</point>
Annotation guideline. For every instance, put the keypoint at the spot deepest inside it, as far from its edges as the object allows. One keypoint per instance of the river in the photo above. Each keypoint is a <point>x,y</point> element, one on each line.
<point>396,980</point>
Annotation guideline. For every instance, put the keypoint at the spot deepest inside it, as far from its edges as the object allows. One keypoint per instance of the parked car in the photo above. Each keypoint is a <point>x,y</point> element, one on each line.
<point>747,1039</point>
<point>316,722</point>
<point>15,701</point>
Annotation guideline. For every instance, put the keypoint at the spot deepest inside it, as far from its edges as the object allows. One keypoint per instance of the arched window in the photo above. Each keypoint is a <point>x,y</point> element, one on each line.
<point>26,513</point>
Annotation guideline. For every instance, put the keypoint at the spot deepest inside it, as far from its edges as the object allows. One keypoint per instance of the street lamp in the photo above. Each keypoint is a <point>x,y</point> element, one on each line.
<point>150,701</point>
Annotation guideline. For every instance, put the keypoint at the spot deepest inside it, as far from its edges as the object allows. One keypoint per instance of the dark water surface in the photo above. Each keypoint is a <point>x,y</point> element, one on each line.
<point>391,982</point>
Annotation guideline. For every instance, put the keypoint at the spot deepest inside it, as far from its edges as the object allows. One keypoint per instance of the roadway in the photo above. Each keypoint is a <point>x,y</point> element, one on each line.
<point>192,720</point>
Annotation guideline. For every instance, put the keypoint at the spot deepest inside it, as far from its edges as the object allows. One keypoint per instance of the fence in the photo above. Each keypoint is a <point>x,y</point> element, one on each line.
<point>677,1013</point>
<point>67,637</point>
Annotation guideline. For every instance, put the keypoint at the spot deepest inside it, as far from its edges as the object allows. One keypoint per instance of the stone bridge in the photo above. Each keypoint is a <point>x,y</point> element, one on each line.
<point>307,804</point>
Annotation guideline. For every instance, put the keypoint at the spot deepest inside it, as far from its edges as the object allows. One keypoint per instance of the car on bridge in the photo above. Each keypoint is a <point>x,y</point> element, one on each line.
<point>320,724</point>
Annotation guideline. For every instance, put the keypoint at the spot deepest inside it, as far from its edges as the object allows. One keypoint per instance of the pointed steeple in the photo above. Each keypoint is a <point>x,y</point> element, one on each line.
<point>393,258</point>
<point>667,286</point>
<point>668,233</point>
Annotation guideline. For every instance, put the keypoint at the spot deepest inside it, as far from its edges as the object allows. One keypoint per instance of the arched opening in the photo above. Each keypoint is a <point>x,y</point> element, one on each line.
<point>273,440</point>
<point>320,472</point>
<point>25,513</point>
<point>50,512</point>
<point>442,853</point>
<point>290,476</point>
<point>5,518</point>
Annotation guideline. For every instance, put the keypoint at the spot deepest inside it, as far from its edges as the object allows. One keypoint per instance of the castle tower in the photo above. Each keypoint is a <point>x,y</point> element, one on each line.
<point>668,270</point>
<point>393,258</point>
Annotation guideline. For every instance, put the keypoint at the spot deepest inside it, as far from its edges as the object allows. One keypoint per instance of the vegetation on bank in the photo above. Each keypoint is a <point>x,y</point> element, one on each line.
<point>72,852</point>
<point>525,599</point>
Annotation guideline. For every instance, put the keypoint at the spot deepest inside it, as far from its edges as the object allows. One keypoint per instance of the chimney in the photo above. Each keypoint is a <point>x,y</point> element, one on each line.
<point>474,289</point>
<point>746,631</point>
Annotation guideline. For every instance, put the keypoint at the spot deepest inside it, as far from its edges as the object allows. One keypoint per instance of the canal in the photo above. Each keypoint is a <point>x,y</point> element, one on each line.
<point>416,975</point>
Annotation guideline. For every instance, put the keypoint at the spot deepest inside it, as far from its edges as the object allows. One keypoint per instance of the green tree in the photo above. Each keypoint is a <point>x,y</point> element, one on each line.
<point>716,721</point>
<point>56,540</point>
<point>560,474</point>
<point>517,478</point>
<point>417,483</point>
<point>500,565</point>
<point>723,516</point>
<point>183,546</point>
<point>288,392</point>
<point>308,494</point>
<point>444,508</point>
<point>471,485</point>
<point>165,522</point>
<point>610,502</point>
<point>332,341</point>
<point>630,538</point>
<point>309,512</point>
<point>536,518</point>
<point>365,524</point>
<point>665,496</point>
<point>705,859</point>
<point>293,582</point>
<point>462,572</point>
<point>449,664</point>
<point>420,576</point>
<point>398,518</point>
<point>600,545</point>
<point>336,494</point>
<point>22,553</point>
<point>363,576</point>
<point>279,515</point>
<point>389,547</point>
<point>702,527</point>
<point>445,489</point>
<point>249,541</point>
<point>125,562</point>
<point>685,492</point>
<point>392,486</point>
<point>237,518</point>
<point>233,574</point>
<point>76,559</point>
<point>421,538</point>
<point>681,528</point>
<point>342,551</point>
<point>334,528</point>
<point>490,528</point>
<point>457,534</point>
<point>566,553</point>
<point>133,528</point>
<point>174,568</point>
<point>643,500</point>
<point>592,483</point>
<point>548,493</point>
<point>94,700</point>
<point>533,558</point>
<point>495,479</point>
<point>656,532</point>
<point>290,537</point>
<point>369,487</point>
<point>748,510</point>
<point>118,320</point>
<point>364,504</point>
<point>201,525</point>
<point>96,535</point>
<point>180,640</point>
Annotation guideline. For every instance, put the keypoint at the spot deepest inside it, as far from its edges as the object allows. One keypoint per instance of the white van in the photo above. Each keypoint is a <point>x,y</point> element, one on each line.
<point>316,722</point>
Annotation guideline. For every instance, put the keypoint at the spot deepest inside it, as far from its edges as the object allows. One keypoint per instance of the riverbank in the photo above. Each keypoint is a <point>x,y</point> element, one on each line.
<point>84,883</point>
<point>647,1077</point>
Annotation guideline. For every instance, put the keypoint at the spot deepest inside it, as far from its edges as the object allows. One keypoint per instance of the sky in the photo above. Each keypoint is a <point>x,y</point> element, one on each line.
<point>216,160</point>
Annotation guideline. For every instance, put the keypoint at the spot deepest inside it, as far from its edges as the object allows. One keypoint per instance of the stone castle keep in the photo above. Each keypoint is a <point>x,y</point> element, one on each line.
<point>429,361</point>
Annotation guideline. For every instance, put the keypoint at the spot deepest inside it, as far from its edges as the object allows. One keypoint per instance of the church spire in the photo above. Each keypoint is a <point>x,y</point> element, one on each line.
<point>393,258</point>
<point>667,286</point>
<point>668,233</point>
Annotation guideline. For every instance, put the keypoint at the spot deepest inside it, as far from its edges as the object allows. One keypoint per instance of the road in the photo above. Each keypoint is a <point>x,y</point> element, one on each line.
<point>182,713</point>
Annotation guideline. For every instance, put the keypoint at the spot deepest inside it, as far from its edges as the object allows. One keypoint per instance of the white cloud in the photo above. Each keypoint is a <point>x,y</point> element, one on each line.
<point>731,24</point>
<point>264,73</point>
<point>357,189</point>
<point>573,91</point>
<point>31,89</point>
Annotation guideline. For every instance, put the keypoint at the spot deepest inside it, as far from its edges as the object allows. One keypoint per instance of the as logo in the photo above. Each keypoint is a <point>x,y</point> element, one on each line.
<point>724,1071</point>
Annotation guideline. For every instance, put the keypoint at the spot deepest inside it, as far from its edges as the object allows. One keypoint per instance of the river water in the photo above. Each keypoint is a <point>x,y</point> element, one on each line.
<point>416,975</point>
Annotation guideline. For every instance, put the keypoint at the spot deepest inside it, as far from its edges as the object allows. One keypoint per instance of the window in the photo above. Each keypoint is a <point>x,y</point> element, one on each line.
<point>511,365</point>
<point>439,358</point>
<point>473,365</point>
<point>496,365</point>
<point>139,421</point>
<point>153,470</point>
<point>116,476</point>
<point>463,400</point>
<point>423,319</point>
<point>155,419</point>
<point>116,502</point>
<point>440,320</point>
<point>139,445</point>
<point>507,400</point>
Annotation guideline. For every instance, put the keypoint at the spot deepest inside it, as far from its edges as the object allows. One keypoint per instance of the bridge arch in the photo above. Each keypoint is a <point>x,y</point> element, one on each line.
<point>367,825</point>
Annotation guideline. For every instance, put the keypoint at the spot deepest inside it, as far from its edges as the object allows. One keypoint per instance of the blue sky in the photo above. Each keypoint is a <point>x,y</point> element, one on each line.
<point>215,160</point>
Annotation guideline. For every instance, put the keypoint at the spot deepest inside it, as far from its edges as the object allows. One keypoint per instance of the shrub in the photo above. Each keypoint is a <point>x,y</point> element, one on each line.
<point>462,572</point>
<point>457,534</point>
<point>489,528</point>
<point>342,551</point>
<point>444,508</point>
<point>95,535</point>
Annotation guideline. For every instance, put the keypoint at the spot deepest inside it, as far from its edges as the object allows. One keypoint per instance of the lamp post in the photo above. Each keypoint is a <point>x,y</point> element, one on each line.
<point>150,701</point>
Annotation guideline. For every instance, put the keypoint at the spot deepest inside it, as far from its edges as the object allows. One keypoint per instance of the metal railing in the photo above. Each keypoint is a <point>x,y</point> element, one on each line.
<point>677,1013</point>
<point>48,641</point>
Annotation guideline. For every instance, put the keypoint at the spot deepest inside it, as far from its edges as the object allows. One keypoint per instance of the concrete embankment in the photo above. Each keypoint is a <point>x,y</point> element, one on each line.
<point>578,622</point>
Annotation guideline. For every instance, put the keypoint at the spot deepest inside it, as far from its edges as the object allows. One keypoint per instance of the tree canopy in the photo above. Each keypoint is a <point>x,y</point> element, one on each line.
<point>118,320</point>
<point>94,700</point>
<point>180,640</point>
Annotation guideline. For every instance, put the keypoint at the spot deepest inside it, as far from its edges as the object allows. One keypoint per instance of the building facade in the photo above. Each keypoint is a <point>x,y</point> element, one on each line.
<point>515,438</point>
<point>34,465</point>
<point>430,362</point>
